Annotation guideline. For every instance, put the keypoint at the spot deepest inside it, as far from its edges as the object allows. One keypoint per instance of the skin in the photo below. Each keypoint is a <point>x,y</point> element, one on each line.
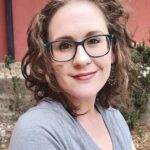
<point>84,19</point>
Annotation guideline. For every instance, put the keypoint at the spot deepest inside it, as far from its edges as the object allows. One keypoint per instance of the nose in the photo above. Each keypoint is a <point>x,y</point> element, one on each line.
<point>81,58</point>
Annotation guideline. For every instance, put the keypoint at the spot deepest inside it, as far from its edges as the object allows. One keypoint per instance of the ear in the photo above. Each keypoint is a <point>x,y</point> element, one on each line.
<point>112,57</point>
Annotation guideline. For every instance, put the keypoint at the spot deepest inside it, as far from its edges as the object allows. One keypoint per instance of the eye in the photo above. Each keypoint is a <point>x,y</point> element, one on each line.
<point>94,40</point>
<point>65,45</point>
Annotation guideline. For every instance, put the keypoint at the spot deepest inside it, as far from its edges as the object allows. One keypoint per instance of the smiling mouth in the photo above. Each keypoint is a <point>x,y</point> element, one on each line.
<point>84,76</point>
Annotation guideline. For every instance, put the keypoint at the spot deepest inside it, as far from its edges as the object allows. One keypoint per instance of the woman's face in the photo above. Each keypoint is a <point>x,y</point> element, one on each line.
<point>82,77</point>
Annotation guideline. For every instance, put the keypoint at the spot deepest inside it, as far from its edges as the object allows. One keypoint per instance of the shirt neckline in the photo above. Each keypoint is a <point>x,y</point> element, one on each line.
<point>109,128</point>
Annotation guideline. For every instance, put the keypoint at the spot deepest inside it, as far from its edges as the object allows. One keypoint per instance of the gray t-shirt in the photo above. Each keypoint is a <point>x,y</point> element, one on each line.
<point>48,126</point>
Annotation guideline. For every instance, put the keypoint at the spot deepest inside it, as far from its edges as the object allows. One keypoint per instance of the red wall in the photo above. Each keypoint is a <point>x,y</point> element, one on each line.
<point>3,32</point>
<point>23,10</point>
<point>139,22</point>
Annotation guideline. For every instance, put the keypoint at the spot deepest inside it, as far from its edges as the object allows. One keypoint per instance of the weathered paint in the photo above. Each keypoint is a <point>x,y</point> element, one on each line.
<point>3,30</point>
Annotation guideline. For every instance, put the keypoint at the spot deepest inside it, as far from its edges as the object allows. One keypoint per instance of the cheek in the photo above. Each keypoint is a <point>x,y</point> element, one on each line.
<point>60,72</point>
<point>104,63</point>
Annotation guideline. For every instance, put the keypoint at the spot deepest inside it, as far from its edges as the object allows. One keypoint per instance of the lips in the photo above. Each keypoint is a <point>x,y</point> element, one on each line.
<point>85,76</point>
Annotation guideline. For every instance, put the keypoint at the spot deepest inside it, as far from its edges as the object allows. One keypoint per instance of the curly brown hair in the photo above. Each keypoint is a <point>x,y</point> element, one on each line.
<point>36,64</point>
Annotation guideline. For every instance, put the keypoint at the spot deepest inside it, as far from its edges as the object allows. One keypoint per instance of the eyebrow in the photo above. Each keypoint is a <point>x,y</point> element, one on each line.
<point>91,33</point>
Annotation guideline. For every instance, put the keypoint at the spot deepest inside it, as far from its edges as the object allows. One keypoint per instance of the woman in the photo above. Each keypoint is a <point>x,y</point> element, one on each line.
<point>78,62</point>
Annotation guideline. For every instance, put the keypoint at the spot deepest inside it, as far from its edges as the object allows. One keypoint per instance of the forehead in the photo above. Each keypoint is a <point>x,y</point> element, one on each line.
<point>76,18</point>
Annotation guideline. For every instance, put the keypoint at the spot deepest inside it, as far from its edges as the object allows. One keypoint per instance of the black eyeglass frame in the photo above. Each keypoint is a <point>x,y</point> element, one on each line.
<point>49,46</point>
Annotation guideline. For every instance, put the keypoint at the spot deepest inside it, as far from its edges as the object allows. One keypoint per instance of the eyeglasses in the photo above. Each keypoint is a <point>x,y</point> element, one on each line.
<point>65,50</point>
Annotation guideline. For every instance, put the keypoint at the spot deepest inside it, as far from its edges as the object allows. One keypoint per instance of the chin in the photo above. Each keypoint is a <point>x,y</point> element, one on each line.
<point>84,95</point>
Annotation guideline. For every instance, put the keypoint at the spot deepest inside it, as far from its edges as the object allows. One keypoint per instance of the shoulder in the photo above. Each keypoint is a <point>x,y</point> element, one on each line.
<point>114,114</point>
<point>45,112</point>
<point>111,114</point>
<point>40,125</point>
<point>115,118</point>
<point>118,127</point>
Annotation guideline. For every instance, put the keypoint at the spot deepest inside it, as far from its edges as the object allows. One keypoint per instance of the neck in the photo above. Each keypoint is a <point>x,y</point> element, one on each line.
<point>85,106</point>
<point>88,116</point>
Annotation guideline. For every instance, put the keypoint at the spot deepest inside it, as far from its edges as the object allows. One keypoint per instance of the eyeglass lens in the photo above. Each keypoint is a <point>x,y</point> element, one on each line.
<point>94,46</point>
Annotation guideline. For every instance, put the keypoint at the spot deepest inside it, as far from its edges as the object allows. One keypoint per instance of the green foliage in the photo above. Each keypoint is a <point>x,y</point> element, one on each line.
<point>131,117</point>
<point>141,94</point>
<point>16,102</point>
